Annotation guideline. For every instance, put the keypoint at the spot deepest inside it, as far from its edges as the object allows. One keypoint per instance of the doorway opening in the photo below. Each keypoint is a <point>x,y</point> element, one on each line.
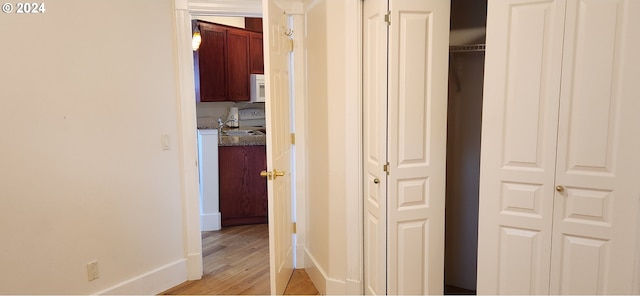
<point>464,122</point>
<point>235,235</point>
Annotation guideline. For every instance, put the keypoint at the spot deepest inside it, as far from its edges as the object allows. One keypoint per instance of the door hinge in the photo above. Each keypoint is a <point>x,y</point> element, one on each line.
<point>294,228</point>
<point>290,45</point>
<point>386,167</point>
<point>387,18</point>
<point>293,139</point>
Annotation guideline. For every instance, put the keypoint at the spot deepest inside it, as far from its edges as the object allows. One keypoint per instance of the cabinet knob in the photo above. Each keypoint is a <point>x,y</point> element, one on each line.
<point>376,180</point>
<point>559,188</point>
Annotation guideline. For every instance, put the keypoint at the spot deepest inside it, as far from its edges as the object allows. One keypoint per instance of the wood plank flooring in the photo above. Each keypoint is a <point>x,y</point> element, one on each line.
<point>236,261</point>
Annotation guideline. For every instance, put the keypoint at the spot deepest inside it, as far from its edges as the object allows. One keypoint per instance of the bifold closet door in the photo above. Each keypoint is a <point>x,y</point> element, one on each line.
<point>374,96</point>
<point>518,145</point>
<point>405,109</point>
<point>559,164</point>
<point>598,168</point>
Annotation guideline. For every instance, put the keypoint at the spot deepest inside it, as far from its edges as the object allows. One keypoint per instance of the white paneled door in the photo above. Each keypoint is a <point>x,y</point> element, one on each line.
<point>375,145</point>
<point>278,146</point>
<point>405,64</point>
<point>559,190</point>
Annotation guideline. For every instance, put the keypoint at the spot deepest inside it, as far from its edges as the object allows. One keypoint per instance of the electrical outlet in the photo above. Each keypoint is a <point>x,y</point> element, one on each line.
<point>92,270</point>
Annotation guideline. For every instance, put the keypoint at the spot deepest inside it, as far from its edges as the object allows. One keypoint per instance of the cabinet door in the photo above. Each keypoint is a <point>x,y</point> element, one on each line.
<point>238,64</point>
<point>595,212</point>
<point>518,146</point>
<point>212,64</point>
<point>243,193</point>
<point>256,54</point>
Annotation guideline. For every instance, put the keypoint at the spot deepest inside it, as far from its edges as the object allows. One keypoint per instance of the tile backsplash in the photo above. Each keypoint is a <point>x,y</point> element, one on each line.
<point>209,112</point>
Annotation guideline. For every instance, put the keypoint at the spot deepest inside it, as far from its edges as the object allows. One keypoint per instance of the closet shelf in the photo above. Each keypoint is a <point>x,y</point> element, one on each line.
<point>467,48</point>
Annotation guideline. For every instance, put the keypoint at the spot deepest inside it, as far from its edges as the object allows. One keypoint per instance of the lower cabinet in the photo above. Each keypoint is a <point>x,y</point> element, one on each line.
<point>243,192</point>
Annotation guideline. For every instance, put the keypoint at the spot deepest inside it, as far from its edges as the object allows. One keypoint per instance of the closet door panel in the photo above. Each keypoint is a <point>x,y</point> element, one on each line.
<point>418,67</point>
<point>518,145</point>
<point>374,97</point>
<point>595,211</point>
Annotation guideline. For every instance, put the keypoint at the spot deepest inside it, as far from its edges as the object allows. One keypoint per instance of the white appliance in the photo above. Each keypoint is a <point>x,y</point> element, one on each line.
<point>210,218</point>
<point>252,117</point>
<point>258,90</point>
<point>233,118</point>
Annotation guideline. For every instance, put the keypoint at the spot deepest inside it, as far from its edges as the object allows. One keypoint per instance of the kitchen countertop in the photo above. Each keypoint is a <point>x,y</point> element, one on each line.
<point>254,140</point>
<point>244,140</point>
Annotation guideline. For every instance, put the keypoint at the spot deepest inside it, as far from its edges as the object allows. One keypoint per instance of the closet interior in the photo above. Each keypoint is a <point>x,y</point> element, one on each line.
<point>466,73</point>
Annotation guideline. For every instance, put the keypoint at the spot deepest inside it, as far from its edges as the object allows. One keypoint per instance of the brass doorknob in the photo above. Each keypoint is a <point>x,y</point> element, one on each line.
<point>376,180</point>
<point>559,188</point>
<point>272,175</point>
<point>277,174</point>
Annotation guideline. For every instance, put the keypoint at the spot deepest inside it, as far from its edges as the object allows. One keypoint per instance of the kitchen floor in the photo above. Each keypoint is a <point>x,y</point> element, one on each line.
<point>236,261</point>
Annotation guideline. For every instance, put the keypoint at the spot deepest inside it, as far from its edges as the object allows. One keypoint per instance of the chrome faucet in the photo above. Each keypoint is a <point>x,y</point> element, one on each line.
<point>221,125</point>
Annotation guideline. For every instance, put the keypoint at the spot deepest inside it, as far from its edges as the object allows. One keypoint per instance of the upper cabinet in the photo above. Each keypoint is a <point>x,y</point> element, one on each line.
<point>256,53</point>
<point>226,57</point>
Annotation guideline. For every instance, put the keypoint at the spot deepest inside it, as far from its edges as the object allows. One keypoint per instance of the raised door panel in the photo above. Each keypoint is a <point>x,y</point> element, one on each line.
<point>238,64</point>
<point>212,63</point>
<point>374,98</point>
<point>596,214</point>
<point>418,67</point>
<point>256,54</point>
<point>518,145</point>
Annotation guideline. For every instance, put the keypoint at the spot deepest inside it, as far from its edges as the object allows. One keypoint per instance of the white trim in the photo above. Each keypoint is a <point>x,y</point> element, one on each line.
<point>300,129</point>
<point>636,281</point>
<point>226,7</point>
<point>187,114</point>
<point>153,282</point>
<point>319,277</point>
<point>353,145</point>
<point>187,141</point>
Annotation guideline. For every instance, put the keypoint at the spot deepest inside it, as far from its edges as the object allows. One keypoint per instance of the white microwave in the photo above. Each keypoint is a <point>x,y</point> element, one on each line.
<point>258,91</point>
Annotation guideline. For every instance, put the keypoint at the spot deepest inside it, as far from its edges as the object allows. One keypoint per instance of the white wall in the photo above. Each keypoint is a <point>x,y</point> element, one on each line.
<point>331,155</point>
<point>233,21</point>
<point>87,89</point>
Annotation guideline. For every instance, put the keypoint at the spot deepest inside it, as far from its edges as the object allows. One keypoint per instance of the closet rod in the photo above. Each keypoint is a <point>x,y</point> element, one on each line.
<point>467,48</point>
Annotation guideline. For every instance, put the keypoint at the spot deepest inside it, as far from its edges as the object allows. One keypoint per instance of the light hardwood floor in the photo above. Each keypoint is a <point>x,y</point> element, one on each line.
<point>236,261</point>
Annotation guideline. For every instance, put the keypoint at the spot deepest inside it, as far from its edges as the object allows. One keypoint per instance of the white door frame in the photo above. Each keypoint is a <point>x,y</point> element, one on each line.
<point>187,124</point>
<point>187,140</point>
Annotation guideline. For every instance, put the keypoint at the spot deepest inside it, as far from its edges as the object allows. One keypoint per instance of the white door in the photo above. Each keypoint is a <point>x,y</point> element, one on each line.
<point>407,122</point>
<point>276,65</point>
<point>559,112</point>
<point>417,126</point>
<point>375,145</point>
<point>518,145</point>
<point>595,210</point>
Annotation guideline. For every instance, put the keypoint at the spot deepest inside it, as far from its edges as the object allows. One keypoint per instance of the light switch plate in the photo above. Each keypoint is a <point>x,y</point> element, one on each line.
<point>166,143</point>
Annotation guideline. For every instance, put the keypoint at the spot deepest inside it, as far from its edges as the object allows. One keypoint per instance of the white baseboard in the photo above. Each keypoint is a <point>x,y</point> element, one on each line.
<point>152,282</point>
<point>324,284</point>
<point>300,255</point>
<point>209,222</point>
<point>354,287</point>
<point>194,266</point>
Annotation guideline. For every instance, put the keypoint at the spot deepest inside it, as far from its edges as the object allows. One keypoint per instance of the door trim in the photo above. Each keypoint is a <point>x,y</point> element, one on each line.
<point>353,141</point>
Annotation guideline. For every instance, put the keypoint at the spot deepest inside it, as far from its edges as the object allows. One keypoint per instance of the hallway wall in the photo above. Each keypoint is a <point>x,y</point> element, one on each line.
<point>88,88</point>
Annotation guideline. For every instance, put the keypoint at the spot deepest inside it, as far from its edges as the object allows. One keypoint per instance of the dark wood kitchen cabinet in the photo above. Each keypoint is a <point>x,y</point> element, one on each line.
<point>243,192</point>
<point>210,63</point>
<point>226,57</point>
